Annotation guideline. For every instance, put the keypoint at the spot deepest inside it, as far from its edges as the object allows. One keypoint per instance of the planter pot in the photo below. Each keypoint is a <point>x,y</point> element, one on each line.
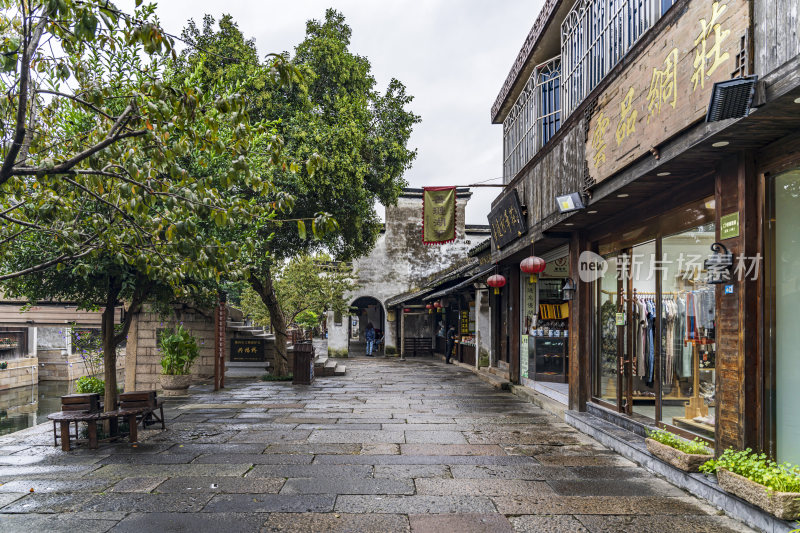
<point>783,505</point>
<point>688,462</point>
<point>175,385</point>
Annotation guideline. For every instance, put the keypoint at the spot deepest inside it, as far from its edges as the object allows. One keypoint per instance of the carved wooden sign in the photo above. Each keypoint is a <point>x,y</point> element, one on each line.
<point>668,87</point>
<point>506,220</point>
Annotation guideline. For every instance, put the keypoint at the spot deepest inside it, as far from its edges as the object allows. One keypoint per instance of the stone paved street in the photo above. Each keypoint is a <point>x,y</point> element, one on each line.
<point>391,446</point>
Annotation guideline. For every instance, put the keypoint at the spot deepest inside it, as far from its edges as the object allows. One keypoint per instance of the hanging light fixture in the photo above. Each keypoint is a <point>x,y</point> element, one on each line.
<point>534,266</point>
<point>429,307</point>
<point>496,281</point>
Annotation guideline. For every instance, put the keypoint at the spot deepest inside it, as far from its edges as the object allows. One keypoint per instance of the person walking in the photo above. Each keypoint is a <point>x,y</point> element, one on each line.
<point>451,342</point>
<point>370,336</point>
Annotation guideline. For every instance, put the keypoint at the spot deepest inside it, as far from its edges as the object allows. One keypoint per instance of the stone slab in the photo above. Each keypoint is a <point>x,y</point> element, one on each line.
<point>358,437</point>
<point>189,522</point>
<point>482,487</point>
<point>55,523</point>
<point>345,485</point>
<point>463,523</point>
<point>217,449</point>
<point>335,523</point>
<point>645,524</point>
<point>311,471</point>
<point>594,505</point>
<point>137,484</point>
<point>451,449</point>
<point>217,484</point>
<point>526,472</point>
<point>270,503</point>
<point>270,437</point>
<point>254,458</point>
<point>412,471</point>
<point>611,487</point>
<point>423,459</point>
<point>551,524</point>
<point>53,502</point>
<point>435,437</point>
<point>380,448</point>
<point>146,502</point>
<point>414,504</point>
<point>56,485</point>
<point>122,471</point>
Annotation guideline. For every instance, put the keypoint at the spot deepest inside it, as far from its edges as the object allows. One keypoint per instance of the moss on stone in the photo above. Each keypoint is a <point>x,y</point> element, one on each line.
<point>337,354</point>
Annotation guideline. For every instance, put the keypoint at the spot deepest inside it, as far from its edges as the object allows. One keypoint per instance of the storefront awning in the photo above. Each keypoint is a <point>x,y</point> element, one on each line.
<point>406,297</point>
<point>485,269</point>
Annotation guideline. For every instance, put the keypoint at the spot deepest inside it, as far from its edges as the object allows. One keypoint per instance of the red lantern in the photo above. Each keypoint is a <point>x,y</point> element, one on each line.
<point>496,281</point>
<point>429,307</point>
<point>534,266</point>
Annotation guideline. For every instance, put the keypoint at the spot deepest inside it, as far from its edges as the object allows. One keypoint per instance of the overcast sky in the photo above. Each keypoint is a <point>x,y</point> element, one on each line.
<point>452,55</point>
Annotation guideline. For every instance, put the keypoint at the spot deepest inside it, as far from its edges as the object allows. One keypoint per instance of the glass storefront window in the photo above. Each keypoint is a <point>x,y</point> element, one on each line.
<point>688,324</point>
<point>784,264</point>
<point>656,317</point>
<point>605,385</point>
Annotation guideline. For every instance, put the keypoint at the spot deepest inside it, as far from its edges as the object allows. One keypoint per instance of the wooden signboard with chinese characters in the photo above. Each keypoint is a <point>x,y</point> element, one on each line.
<point>506,220</point>
<point>668,87</point>
<point>247,350</point>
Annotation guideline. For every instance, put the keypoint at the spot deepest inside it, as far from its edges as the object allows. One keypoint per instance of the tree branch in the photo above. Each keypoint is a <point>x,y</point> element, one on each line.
<point>47,264</point>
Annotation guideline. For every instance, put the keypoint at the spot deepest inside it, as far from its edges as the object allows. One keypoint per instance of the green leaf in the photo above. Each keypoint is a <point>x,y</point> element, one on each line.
<point>301,228</point>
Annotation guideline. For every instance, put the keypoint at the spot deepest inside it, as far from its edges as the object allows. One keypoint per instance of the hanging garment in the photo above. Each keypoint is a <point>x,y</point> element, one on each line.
<point>640,334</point>
<point>669,312</point>
<point>651,356</point>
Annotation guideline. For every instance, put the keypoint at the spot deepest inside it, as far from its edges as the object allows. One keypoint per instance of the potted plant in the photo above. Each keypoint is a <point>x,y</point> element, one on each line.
<point>686,455</point>
<point>178,351</point>
<point>753,477</point>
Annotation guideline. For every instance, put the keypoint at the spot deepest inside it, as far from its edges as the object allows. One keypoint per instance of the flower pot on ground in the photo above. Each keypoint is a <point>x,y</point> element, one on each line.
<point>783,505</point>
<point>688,462</point>
<point>759,480</point>
<point>686,455</point>
<point>178,352</point>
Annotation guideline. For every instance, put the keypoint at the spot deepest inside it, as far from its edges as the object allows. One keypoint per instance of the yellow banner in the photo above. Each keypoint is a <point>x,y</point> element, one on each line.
<point>438,215</point>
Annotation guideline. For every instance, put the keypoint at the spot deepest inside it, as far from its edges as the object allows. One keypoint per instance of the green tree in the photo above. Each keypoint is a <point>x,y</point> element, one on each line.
<point>304,283</point>
<point>125,220</point>
<point>86,118</point>
<point>352,137</point>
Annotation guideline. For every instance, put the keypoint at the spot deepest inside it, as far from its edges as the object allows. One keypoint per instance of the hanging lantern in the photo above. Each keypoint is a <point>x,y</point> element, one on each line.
<point>534,266</point>
<point>496,281</point>
<point>438,306</point>
<point>429,307</point>
<point>568,290</point>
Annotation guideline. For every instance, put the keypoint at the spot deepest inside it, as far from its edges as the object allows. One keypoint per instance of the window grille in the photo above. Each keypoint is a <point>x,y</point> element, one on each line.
<point>595,35</point>
<point>534,118</point>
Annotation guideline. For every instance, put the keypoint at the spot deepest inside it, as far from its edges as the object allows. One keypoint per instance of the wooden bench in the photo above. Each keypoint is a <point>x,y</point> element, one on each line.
<point>144,399</point>
<point>65,418</point>
<point>133,407</point>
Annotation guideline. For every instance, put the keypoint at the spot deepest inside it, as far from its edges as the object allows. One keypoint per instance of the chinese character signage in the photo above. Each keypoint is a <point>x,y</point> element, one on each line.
<point>668,87</point>
<point>729,226</point>
<point>507,221</point>
<point>438,215</point>
<point>246,350</point>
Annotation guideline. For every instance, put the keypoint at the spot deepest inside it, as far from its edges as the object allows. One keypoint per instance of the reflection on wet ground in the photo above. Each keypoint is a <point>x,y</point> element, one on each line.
<point>23,407</point>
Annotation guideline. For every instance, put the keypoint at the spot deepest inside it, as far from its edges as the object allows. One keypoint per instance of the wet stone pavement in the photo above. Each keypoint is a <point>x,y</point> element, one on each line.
<point>392,446</point>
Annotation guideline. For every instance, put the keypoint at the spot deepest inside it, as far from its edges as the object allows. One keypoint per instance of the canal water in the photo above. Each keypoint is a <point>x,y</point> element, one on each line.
<point>23,407</point>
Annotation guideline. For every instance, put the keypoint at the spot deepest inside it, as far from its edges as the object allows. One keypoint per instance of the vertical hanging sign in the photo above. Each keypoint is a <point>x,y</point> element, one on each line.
<point>438,215</point>
<point>220,323</point>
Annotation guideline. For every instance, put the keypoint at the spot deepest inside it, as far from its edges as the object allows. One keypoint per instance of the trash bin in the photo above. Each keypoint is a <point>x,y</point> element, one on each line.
<point>303,371</point>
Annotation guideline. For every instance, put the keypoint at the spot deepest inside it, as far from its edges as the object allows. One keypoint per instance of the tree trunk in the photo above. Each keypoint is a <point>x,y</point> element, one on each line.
<point>266,290</point>
<point>110,346</point>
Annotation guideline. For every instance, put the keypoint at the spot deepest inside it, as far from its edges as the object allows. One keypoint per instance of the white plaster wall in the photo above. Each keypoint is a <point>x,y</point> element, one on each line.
<point>337,334</point>
<point>399,261</point>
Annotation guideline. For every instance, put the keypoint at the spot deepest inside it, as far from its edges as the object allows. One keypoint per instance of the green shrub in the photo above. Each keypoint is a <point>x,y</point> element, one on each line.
<point>269,377</point>
<point>695,446</point>
<point>87,384</point>
<point>757,467</point>
<point>178,351</point>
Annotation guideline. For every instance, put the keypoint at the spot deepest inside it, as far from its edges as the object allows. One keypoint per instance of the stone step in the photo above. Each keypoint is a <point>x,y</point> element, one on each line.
<point>320,362</point>
<point>330,368</point>
<point>339,370</point>
<point>246,364</point>
<point>233,324</point>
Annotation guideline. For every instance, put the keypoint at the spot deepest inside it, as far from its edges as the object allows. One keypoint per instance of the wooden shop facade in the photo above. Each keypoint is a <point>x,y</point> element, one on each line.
<point>652,149</point>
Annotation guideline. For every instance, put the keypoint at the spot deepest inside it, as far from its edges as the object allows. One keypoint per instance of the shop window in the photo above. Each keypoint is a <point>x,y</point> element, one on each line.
<point>783,294</point>
<point>655,316</point>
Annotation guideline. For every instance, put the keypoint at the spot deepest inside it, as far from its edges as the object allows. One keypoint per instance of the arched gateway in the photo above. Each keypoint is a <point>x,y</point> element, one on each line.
<point>364,310</point>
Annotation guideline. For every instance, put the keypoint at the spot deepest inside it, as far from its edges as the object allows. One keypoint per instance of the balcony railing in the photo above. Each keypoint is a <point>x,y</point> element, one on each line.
<point>595,36</point>
<point>534,118</point>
